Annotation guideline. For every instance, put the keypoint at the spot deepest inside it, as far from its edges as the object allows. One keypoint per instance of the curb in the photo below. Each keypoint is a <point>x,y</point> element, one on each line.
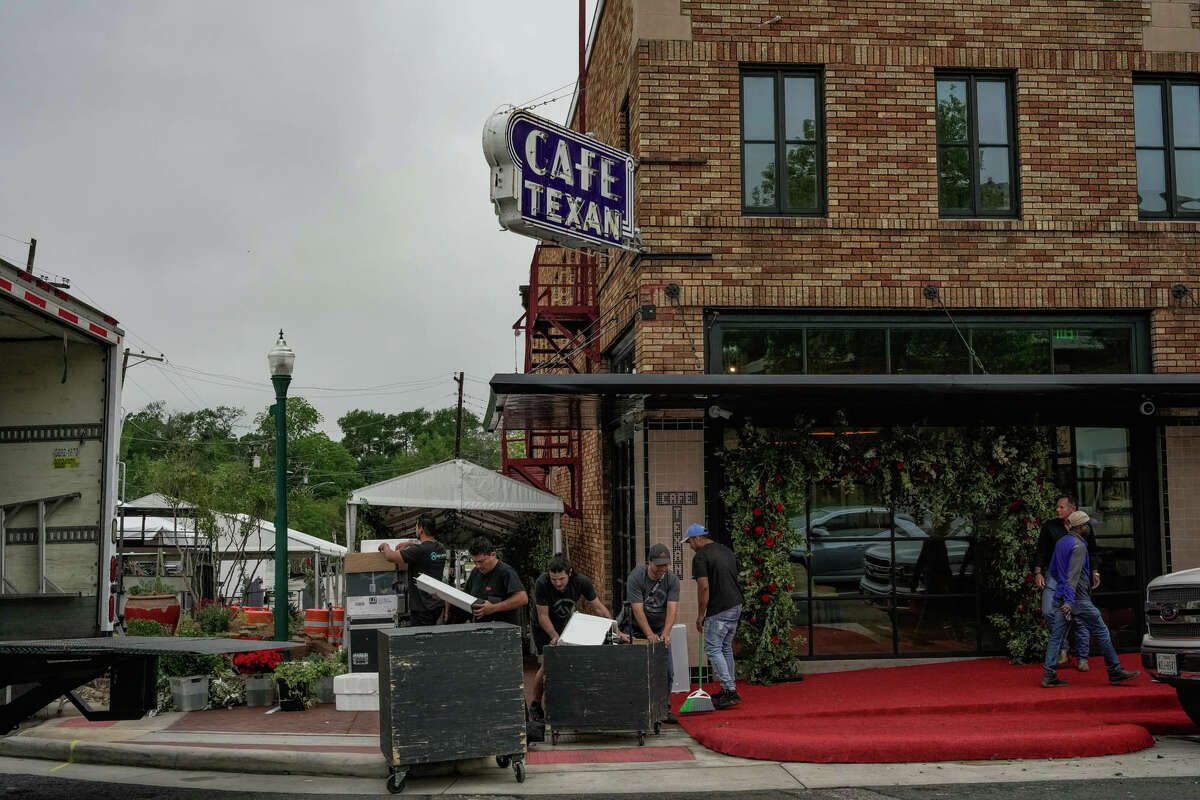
<point>206,759</point>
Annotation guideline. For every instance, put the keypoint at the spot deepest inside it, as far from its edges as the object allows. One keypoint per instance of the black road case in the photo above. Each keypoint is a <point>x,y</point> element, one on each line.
<point>606,688</point>
<point>451,692</point>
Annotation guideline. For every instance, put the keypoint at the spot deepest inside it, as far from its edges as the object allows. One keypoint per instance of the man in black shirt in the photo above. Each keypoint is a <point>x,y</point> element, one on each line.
<point>1052,531</point>
<point>720,602</point>
<point>556,593</point>
<point>495,585</point>
<point>426,556</point>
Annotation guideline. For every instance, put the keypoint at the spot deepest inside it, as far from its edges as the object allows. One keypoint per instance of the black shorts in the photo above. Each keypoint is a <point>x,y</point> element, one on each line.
<point>420,617</point>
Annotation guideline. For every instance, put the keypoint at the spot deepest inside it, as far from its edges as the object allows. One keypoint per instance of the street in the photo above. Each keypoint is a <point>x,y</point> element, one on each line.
<point>33,787</point>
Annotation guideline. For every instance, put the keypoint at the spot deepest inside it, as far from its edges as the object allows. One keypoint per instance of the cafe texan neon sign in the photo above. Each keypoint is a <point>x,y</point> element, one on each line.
<point>552,183</point>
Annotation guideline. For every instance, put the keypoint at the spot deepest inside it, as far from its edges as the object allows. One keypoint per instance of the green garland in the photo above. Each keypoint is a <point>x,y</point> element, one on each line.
<point>993,477</point>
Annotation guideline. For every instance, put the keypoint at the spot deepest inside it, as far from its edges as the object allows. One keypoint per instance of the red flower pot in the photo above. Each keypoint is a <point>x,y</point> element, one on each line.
<point>162,608</point>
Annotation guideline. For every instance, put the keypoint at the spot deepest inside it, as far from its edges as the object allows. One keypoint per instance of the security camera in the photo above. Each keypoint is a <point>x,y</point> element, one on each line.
<point>1147,408</point>
<point>716,412</point>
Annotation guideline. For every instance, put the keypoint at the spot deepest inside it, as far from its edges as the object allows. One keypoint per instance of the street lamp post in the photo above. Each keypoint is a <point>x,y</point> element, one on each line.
<point>281,359</point>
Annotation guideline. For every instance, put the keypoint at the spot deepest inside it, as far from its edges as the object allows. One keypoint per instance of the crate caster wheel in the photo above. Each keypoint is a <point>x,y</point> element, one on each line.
<point>641,738</point>
<point>502,761</point>
<point>554,738</point>
<point>395,781</point>
<point>657,728</point>
<point>519,771</point>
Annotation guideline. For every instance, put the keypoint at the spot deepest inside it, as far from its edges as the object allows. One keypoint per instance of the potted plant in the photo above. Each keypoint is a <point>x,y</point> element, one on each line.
<point>153,600</point>
<point>297,687</point>
<point>189,673</point>
<point>323,671</point>
<point>258,667</point>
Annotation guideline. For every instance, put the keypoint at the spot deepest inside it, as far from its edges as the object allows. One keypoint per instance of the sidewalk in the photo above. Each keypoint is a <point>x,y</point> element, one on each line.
<point>331,747</point>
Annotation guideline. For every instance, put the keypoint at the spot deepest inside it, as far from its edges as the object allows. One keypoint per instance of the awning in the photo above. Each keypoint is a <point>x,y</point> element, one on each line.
<point>565,401</point>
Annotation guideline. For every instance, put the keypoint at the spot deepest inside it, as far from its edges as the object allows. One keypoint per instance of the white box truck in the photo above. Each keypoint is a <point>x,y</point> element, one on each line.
<point>60,398</point>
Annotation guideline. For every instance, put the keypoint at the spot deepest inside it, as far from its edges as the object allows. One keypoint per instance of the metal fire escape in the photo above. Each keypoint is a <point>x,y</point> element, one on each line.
<point>559,322</point>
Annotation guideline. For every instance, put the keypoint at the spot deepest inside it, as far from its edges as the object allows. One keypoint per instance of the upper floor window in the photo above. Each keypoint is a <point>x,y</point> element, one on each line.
<point>976,140</point>
<point>782,142</point>
<point>1166,116</point>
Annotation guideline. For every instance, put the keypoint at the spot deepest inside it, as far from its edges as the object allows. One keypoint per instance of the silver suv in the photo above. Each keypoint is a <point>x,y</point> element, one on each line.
<point>1171,646</point>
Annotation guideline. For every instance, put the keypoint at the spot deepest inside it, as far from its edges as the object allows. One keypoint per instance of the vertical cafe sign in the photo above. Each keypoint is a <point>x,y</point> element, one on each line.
<point>552,183</point>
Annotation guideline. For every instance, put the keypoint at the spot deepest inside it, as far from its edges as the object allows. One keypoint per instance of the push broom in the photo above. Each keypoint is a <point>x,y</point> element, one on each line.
<point>698,701</point>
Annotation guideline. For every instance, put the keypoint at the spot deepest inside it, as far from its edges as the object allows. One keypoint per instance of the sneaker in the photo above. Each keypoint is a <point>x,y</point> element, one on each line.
<point>734,697</point>
<point>1053,682</point>
<point>1063,657</point>
<point>721,701</point>
<point>536,712</point>
<point>1082,666</point>
<point>1123,675</point>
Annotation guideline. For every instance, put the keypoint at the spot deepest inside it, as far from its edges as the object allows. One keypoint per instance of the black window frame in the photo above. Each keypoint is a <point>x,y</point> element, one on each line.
<point>1164,84</point>
<point>779,74</point>
<point>973,144</point>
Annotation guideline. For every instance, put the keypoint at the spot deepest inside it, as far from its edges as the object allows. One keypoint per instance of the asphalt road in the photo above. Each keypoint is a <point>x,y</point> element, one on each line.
<point>37,787</point>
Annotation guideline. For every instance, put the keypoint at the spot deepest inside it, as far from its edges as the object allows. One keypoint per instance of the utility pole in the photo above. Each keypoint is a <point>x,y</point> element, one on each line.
<point>32,253</point>
<point>458,424</point>
<point>144,358</point>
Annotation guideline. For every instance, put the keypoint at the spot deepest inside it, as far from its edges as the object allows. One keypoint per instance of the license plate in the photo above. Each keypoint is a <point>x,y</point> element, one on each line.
<point>1166,664</point>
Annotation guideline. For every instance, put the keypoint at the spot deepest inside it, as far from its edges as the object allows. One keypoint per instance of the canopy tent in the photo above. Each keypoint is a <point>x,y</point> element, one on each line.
<point>479,500</point>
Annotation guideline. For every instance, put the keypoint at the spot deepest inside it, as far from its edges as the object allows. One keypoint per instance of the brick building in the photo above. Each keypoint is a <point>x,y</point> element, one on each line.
<point>888,191</point>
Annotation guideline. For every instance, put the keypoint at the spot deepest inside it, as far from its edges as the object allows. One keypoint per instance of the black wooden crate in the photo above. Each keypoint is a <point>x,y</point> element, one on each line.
<point>606,687</point>
<point>450,692</point>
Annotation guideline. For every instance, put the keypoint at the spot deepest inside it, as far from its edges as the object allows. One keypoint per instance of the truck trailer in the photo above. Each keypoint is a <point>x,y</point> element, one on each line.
<point>60,399</point>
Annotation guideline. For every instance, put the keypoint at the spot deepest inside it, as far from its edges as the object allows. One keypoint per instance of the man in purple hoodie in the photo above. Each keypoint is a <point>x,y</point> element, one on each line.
<point>1070,569</point>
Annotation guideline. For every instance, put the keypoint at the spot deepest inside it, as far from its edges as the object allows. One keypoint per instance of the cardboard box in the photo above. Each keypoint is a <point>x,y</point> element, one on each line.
<point>369,562</point>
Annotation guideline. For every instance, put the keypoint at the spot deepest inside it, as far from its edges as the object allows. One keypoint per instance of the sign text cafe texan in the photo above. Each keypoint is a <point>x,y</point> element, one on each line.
<point>552,183</point>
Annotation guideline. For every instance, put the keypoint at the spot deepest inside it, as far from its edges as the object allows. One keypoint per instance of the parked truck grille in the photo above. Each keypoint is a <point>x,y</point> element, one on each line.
<point>1184,630</point>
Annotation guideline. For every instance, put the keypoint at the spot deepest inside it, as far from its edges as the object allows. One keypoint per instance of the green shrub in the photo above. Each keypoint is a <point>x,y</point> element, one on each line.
<point>155,586</point>
<point>321,667</point>
<point>213,618</point>
<point>144,627</point>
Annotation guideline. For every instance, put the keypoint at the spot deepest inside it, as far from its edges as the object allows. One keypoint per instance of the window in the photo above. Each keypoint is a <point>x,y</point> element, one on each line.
<point>847,344</point>
<point>976,146</point>
<point>1166,115</point>
<point>782,143</point>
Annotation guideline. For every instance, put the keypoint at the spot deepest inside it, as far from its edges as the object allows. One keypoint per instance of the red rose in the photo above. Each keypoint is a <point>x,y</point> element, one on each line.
<point>779,506</point>
<point>758,573</point>
<point>746,529</point>
<point>900,465</point>
<point>1037,611</point>
<point>991,470</point>
<point>1014,505</point>
<point>789,587</point>
<point>774,640</point>
<point>770,541</point>
<point>1037,521</point>
<point>758,529</point>
<point>1029,579</point>
<point>759,559</point>
<point>754,620</point>
<point>771,525</point>
<point>874,462</point>
<point>1020,608</point>
<point>758,512</point>
<point>766,598</point>
<point>1028,537</point>
<point>1028,520</point>
<point>773,587</point>
<point>778,478</point>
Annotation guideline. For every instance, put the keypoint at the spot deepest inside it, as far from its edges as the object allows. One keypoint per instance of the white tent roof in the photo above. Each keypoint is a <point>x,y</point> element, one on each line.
<point>458,485</point>
<point>260,538</point>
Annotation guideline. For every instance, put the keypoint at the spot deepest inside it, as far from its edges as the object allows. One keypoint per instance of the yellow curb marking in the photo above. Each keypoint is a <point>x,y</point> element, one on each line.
<point>70,756</point>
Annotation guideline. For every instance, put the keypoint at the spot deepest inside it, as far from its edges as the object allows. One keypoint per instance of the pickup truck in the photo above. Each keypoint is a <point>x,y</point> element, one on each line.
<point>1171,646</point>
<point>60,400</point>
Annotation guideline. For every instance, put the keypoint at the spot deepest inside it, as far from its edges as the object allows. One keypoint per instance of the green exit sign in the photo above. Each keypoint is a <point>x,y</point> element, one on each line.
<point>1064,333</point>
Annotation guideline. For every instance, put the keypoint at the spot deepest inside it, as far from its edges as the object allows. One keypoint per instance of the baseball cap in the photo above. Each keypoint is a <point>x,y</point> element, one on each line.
<point>659,554</point>
<point>694,530</point>
<point>1077,518</point>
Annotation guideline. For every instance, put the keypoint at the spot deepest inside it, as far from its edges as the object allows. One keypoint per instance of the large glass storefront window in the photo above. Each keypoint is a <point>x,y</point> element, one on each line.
<point>817,344</point>
<point>873,579</point>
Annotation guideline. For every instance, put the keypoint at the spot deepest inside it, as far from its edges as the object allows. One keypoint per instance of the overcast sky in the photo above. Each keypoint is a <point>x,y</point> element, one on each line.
<point>209,172</point>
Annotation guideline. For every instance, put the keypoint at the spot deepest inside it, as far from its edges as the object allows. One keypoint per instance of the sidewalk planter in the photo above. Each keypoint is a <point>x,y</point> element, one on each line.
<point>325,693</point>
<point>292,696</point>
<point>190,693</point>
<point>260,690</point>
<point>161,608</point>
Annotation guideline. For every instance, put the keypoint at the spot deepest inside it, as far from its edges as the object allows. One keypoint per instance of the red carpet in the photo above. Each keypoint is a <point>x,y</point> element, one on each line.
<point>967,710</point>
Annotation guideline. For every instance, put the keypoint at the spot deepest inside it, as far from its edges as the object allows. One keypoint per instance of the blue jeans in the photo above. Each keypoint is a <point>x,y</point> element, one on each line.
<point>718,644</point>
<point>1088,618</point>
<point>1083,637</point>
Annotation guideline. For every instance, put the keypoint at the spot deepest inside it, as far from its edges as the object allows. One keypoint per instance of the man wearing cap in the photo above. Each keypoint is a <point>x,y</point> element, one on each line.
<point>653,592</point>
<point>1069,567</point>
<point>1052,531</point>
<point>719,599</point>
